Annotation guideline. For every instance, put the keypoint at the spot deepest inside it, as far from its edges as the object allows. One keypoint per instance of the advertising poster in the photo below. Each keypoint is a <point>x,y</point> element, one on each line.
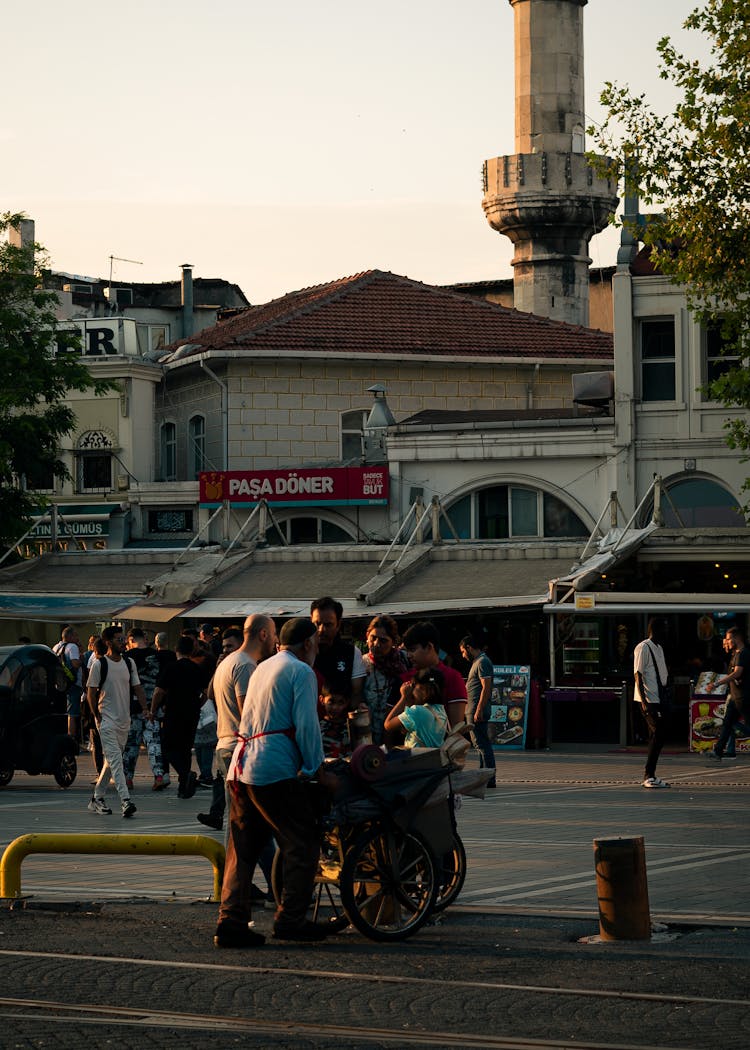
<point>510,705</point>
<point>706,717</point>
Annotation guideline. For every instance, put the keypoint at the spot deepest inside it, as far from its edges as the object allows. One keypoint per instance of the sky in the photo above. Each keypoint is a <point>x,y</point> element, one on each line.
<point>282,144</point>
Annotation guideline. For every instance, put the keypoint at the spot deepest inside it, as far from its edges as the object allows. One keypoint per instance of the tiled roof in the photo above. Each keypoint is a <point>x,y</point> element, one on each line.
<point>442,417</point>
<point>375,312</point>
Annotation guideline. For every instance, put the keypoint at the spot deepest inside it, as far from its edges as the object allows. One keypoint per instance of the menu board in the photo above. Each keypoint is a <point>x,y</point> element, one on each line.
<point>510,705</point>
<point>710,678</point>
<point>706,717</point>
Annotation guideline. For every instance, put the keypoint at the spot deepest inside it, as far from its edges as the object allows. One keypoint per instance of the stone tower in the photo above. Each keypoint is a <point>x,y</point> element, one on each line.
<point>545,197</point>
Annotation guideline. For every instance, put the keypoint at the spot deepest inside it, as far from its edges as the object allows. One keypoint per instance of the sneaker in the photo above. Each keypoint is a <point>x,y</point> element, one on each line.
<point>205,782</point>
<point>128,809</point>
<point>729,758</point>
<point>655,782</point>
<point>229,935</point>
<point>712,756</point>
<point>160,783</point>
<point>300,931</point>
<point>98,805</point>
<point>129,782</point>
<point>210,822</point>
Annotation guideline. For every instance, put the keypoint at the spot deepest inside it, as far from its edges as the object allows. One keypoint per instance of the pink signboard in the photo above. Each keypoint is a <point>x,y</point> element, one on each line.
<point>303,487</point>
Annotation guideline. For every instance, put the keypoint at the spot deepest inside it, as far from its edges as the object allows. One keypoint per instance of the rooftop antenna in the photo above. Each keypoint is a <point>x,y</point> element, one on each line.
<point>112,260</point>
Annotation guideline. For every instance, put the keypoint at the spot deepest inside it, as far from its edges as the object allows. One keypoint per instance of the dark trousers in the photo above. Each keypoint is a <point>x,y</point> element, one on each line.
<point>284,811</point>
<point>657,731</point>
<point>483,744</point>
<point>732,717</point>
<point>177,748</point>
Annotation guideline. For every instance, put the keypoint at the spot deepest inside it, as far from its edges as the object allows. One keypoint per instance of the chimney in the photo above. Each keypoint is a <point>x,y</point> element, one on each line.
<point>23,237</point>
<point>187,300</point>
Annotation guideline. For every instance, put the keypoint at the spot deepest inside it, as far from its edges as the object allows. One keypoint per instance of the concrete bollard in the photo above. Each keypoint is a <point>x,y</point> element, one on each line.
<point>622,889</point>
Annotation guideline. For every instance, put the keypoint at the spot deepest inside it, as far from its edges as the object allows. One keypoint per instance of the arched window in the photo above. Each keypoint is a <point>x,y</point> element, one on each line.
<point>503,512</point>
<point>196,445</point>
<point>308,530</point>
<point>168,451</point>
<point>699,502</point>
<point>94,462</point>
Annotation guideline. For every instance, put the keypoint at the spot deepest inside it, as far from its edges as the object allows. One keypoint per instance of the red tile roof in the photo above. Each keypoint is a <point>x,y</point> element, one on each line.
<point>375,312</point>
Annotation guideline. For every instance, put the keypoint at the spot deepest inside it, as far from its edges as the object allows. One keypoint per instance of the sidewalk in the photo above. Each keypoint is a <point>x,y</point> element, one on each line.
<point>128,941</point>
<point>529,843</point>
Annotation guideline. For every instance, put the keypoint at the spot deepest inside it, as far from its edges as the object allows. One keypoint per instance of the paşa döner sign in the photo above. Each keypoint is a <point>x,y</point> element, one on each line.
<point>306,486</point>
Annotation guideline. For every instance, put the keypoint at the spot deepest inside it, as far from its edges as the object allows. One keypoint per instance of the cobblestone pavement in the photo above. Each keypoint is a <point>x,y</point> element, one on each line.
<point>128,941</point>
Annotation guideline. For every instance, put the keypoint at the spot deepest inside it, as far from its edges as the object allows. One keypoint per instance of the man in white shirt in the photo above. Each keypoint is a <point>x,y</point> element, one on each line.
<point>108,694</point>
<point>280,749</point>
<point>650,670</point>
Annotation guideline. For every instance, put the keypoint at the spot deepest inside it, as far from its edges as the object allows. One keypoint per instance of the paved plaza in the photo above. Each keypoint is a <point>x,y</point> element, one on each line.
<point>529,843</point>
<point>111,951</point>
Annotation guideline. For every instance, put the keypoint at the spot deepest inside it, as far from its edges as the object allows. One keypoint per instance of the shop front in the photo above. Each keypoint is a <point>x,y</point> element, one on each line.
<point>591,647</point>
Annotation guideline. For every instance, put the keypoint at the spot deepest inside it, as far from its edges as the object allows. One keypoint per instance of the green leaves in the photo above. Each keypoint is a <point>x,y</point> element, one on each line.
<point>36,379</point>
<point>693,165</point>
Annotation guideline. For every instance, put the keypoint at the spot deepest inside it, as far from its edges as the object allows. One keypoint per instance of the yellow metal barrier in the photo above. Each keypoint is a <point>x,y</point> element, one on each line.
<point>159,845</point>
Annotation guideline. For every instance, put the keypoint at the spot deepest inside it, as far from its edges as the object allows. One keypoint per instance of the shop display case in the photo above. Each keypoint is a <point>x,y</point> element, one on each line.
<point>580,654</point>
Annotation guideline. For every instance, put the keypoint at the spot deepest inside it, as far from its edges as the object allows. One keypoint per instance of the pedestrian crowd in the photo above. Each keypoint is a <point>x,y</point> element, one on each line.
<point>262,713</point>
<point>267,713</point>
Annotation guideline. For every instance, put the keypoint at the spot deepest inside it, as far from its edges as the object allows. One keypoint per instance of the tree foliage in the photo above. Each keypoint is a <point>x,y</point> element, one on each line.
<point>693,165</point>
<point>40,364</point>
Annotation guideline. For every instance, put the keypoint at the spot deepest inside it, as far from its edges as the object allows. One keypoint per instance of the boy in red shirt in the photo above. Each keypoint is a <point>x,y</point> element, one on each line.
<point>422,643</point>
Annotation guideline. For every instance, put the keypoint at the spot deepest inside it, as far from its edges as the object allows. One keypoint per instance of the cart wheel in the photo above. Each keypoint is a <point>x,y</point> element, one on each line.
<point>326,903</point>
<point>367,762</point>
<point>6,775</point>
<point>451,874</point>
<point>66,770</point>
<point>388,884</point>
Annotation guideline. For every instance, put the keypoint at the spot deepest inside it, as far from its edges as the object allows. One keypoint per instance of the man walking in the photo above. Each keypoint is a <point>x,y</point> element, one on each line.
<point>179,690</point>
<point>68,653</point>
<point>111,680</point>
<point>738,680</point>
<point>479,693</point>
<point>144,729</point>
<point>280,749</point>
<point>650,670</point>
<point>243,652</point>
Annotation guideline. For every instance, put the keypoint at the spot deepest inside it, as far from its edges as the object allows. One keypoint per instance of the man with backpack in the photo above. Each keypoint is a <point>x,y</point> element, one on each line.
<point>68,653</point>
<point>111,682</point>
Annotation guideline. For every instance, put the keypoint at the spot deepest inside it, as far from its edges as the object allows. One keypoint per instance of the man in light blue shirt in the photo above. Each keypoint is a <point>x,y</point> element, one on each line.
<point>279,749</point>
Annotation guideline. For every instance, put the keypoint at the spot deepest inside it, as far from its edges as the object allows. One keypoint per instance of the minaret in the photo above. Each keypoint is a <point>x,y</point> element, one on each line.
<point>546,198</point>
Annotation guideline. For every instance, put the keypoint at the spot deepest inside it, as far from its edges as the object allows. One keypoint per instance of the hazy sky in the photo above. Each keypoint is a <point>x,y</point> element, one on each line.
<point>281,144</point>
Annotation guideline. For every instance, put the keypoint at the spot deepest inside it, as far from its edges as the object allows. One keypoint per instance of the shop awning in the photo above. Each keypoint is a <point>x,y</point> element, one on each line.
<point>617,545</point>
<point>54,609</point>
<point>439,587</point>
<point>652,603</point>
<point>154,613</point>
